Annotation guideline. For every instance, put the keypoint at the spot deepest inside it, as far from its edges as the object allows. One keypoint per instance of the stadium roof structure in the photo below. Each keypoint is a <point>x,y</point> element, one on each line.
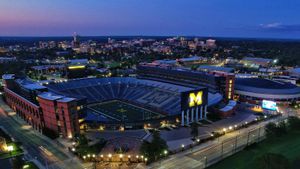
<point>164,97</point>
<point>265,88</point>
<point>254,59</point>
<point>30,85</point>
<point>53,96</point>
<point>216,68</point>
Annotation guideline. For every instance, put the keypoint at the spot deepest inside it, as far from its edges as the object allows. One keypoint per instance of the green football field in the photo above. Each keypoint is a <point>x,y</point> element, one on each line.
<point>122,111</point>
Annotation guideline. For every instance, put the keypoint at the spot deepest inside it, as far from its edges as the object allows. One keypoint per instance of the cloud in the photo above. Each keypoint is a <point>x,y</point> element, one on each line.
<point>279,27</point>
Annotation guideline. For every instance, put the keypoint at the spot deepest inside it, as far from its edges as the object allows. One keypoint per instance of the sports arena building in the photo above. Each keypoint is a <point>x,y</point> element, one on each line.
<point>158,94</point>
<point>254,90</point>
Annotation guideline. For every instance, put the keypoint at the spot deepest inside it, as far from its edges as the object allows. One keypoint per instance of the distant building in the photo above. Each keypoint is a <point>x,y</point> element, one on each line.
<point>186,60</point>
<point>77,68</point>
<point>254,90</point>
<point>75,42</point>
<point>209,68</point>
<point>7,59</point>
<point>295,72</point>
<point>211,43</point>
<point>256,62</point>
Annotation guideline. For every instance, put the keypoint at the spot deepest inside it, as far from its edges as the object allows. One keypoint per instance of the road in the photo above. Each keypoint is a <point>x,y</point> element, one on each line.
<point>208,153</point>
<point>31,141</point>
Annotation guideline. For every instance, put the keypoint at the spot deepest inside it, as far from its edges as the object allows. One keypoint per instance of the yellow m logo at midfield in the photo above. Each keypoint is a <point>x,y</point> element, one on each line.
<point>195,99</point>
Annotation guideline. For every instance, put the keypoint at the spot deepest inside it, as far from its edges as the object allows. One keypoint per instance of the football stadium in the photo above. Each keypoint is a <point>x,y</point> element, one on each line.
<point>132,101</point>
<point>157,95</point>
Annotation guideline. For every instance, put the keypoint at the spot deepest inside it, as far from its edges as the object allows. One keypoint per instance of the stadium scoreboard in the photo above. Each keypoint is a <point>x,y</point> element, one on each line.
<point>194,98</point>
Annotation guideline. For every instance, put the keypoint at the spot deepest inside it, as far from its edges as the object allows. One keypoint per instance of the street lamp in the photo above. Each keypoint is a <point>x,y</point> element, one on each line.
<point>73,149</point>
<point>165,152</point>
<point>129,157</point>
<point>10,149</point>
<point>198,140</point>
<point>121,157</point>
<point>109,156</point>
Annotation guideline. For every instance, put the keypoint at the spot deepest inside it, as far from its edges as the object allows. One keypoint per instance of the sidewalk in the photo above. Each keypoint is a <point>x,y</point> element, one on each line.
<point>11,114</point>
<point>184,156</point>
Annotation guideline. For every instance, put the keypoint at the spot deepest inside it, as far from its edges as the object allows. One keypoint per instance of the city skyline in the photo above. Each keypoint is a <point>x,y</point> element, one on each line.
<point>255,19</point>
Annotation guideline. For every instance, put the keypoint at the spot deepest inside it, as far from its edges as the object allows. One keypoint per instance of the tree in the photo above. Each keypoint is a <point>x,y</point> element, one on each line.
<point>152,150</point>
<point>194,130</point>
<point>158,145</point>
<point>145,148</point>
<point>293,123</point>
<point>273,161</point>
<point>275,130</point>
<point>281,129</point>
<point>270,129</point>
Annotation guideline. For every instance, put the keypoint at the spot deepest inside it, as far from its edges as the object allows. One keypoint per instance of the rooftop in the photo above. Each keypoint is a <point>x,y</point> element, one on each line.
<point>50,96</point>
<point>216,68</point>
<point>265,86</point>
<point>253,59</point>
<point>43,67</point>
<point>34,86</point>
<point>30,85</point>
<point>8,76</point>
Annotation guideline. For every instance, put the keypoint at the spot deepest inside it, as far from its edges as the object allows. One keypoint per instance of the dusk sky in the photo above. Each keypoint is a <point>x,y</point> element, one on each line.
<point>225,18</point>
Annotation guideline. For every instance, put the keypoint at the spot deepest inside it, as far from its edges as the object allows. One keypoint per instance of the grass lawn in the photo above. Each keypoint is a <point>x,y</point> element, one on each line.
<point>124,111</point>
<point>30,165</point>
<point>287,145</point>
<point>93,149</point>
<point>16,152</point>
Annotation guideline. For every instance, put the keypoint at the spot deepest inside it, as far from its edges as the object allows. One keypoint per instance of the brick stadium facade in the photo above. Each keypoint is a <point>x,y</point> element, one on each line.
<point>28,111</point>
<point>42,110</point>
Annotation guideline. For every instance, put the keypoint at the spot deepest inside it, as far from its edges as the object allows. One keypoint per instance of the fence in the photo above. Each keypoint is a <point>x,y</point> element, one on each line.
<point>229,147</point>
